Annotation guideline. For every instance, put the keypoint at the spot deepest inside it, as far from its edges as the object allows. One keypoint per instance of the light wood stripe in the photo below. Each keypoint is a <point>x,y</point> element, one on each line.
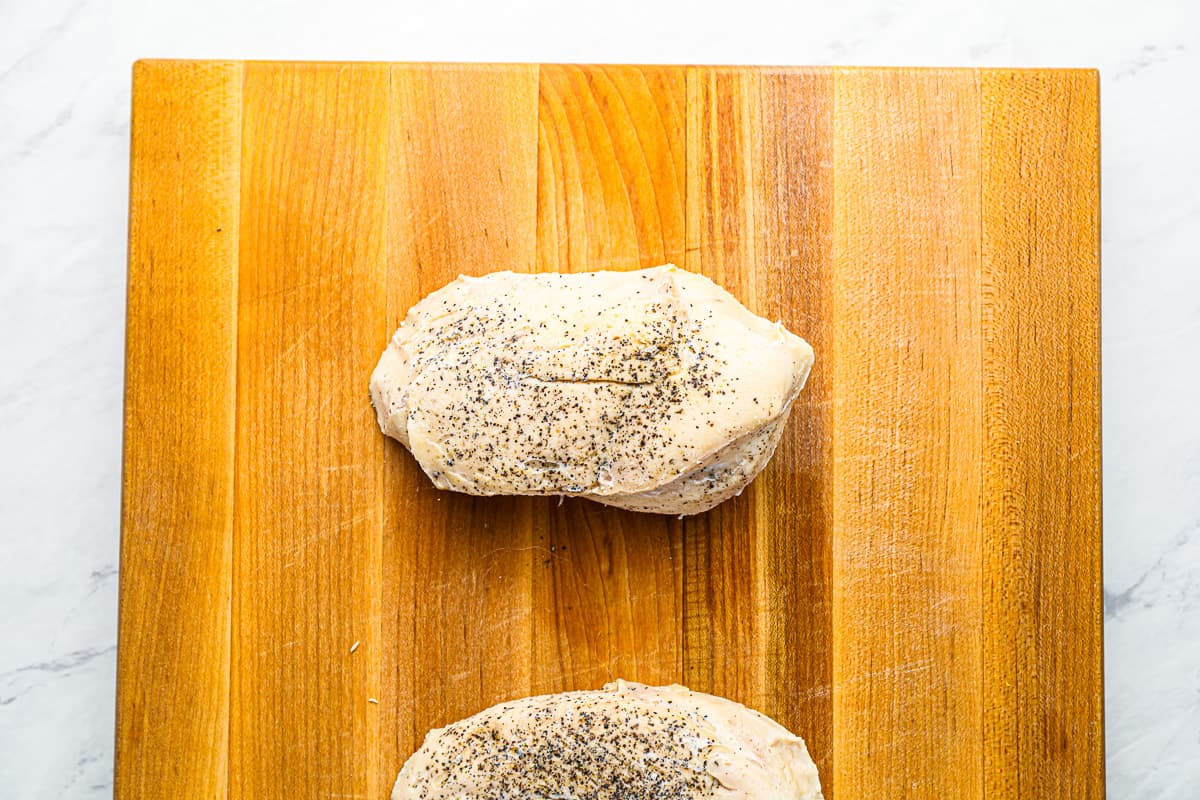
<point>462,191</point>
<point>607,583</point>
<point>177,493</point>
<point>308,523</point>
<point>907,703</point>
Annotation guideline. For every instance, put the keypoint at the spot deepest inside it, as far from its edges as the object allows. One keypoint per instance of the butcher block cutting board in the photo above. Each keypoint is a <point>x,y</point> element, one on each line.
<point>913,584</point>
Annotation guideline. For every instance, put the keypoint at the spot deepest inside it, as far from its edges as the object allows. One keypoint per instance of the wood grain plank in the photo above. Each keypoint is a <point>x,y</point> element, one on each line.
<point>611,167</point>
<point>794,507</point>
<point>177,490</point>
<point>307,535</point>
<point>610,195</point>
<point>462,198</point>
<point>1042,611</point>
<point>758,579</point>
<point>907,698</point>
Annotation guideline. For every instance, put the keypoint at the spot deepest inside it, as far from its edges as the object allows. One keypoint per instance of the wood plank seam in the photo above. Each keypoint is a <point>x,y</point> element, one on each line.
<point>233,561</point>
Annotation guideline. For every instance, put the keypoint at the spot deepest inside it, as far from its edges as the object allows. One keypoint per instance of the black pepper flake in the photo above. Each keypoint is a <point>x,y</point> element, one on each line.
<point>543,395</point>
<point>568,746</point>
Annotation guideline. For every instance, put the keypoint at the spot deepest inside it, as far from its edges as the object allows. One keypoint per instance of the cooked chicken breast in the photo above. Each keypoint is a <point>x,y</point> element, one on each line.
<point>625,742</point>
<point>653,390</point>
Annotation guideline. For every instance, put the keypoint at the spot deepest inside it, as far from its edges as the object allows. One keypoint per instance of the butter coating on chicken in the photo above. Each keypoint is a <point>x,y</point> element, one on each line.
<point>653,390</point>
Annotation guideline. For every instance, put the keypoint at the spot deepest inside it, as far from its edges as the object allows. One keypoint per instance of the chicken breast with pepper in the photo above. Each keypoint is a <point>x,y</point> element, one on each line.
<point>652,390</point>
<point>624,742</point>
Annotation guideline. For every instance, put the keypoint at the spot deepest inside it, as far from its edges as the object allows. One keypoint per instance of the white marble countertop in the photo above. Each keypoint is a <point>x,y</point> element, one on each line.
<point>64,127</point>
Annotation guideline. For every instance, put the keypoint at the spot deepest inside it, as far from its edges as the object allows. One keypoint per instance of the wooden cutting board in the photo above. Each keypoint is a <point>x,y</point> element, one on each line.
<point>913,584</point>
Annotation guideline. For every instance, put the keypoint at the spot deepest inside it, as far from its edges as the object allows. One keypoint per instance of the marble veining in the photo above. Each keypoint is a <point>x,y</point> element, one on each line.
<point>64,104</point>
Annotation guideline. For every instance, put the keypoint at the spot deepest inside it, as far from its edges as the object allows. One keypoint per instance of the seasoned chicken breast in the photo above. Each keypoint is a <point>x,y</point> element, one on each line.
<point>625,742</point>
<point>653,390</point>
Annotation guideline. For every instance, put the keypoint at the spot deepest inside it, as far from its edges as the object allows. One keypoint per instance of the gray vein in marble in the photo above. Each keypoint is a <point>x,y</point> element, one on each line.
<point>1161,575</point>
<point>63,663</point>
<point>31,144</point>
<point>30,677</point>
<point>977,51</point>
<point>81,765</point>
<point>839,50</point>
<point>1150,55</point>
<point>97,581</point>
<point>99,577</point>
<point>48,38</point>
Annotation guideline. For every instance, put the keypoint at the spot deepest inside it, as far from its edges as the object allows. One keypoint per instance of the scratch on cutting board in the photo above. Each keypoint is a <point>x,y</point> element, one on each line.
<point>897,671</point>
<point>322,535</point>
<point>528,549</point>
<point>822,691</point>
<point>317,326</point>
<point>294,287</point>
